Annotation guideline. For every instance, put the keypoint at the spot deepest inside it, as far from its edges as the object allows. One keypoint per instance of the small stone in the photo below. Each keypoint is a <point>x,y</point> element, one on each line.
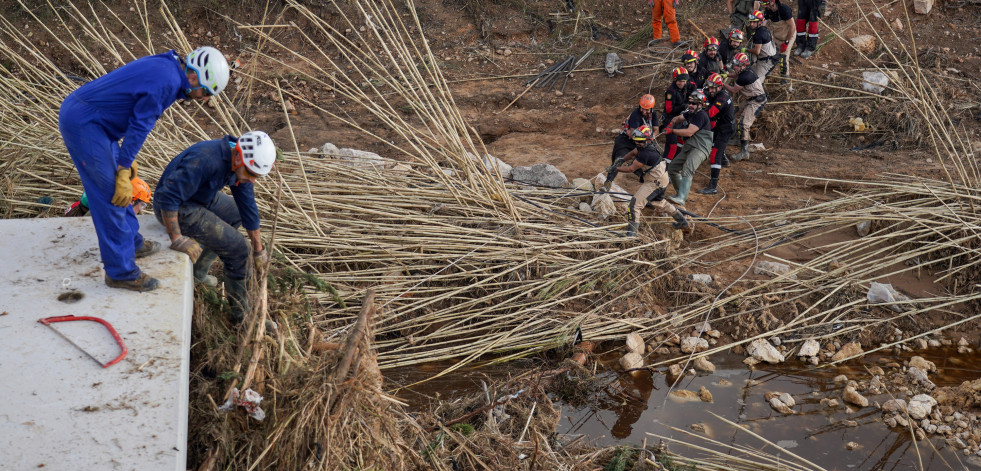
<point>675,370</point>
<point>584,207</point>
<point>694,345</point>
<point>702,364</point>
<point>933,343</point>
<point>851,396</point>
<point>779,406</point>
<point>852,446</point>
<point>700,278</point>
<point>705,395</point>
<point>774,269</point>
<point>787,399</point>
<point>848,350</point>
<point>921,344</point>
<point>810,348</point>
<point>697,427</point>
<point>920,406</point>
<point>635,343</point>
<point>832,403</point>
<point>890,422</point>
<point>764,351</point>
<point>841,379</point>
<point>751,361</point>
<point>898,25</point>
<point>894,405</point>
<point>713,333</point>
<point>922,7</point>
<point>849,423</point>
<point>864,43</point>
<point>631,361</point>
<point>813,360</point>
<point>962,342</point>
<point>863,228</point>
<point>877,371</point>
<point>684,395</point>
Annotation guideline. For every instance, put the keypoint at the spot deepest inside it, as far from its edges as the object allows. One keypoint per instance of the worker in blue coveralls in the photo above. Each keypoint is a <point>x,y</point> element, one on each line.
<point>203,222</point>
<point>125,104</point>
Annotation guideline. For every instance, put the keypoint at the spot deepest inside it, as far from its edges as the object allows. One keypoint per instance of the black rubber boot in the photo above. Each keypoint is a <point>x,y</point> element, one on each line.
<point>203,266</point>
<point>632,228</point>
<point>725,160</point>
<point>743,151</point>
<point>812,42</point>
<point>238,299</point>
<point>680,221</point>
<point>801,43</point>
<point>712,188</point>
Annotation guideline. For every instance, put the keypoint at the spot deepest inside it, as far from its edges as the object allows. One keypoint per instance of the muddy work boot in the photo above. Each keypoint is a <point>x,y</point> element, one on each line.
<point>149,248</point>
<point>812,42</point>
<point>238,299</point>
<point>680,221</point>
<point>141,284</point>
<point>202,266</point>
<point>743,151</point>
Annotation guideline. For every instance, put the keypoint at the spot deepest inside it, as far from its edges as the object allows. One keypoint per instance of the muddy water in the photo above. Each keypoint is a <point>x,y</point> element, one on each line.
<point>632,407</point>
<point>629,408</point>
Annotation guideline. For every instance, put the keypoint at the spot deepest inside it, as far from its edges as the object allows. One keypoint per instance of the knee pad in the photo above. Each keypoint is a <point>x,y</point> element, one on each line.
<point>657,195</point>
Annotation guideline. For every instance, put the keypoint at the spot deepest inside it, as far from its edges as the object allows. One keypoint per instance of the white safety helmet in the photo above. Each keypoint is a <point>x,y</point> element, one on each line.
<point>211,67</point>
<point>258,152</point>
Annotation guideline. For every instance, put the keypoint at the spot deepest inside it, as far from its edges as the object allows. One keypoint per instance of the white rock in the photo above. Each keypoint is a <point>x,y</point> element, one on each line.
<point>874,81</point>
<point>920,406</point>
<point>864,43</point>
<point>863,228</point>
<point>779,406</point>
<point>840,379</point>
<point>694,344</point>
<point>581,185</point>
<point>923,364</point>
<point>700,278</point>
<point>631,361</point>
<point>584,207</point>
<point>603,205</point>
<point>851,396</point>
<point>810,348</point>
<point>635,344</point>
<point>922,7</point>
<point>762,350</point>
<point>894,405</point>
<point>702,364</point>
<point>764,267</point>
<point>885,293</point>
<point>496,165</point>
<point>788,399</point>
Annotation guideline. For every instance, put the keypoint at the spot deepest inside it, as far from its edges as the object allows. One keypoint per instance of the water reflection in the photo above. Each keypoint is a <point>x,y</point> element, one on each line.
<point>631,407</point>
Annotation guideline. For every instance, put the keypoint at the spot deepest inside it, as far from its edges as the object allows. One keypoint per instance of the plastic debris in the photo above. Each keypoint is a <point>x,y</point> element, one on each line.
<point>248,400</point>
<point>882,293</point>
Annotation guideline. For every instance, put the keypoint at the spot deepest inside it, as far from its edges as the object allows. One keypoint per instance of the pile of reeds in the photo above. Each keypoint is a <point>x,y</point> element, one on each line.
<point>464,266</point>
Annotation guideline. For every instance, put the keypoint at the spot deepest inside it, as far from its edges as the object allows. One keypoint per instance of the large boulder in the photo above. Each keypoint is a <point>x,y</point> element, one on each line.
<point>540,174</point>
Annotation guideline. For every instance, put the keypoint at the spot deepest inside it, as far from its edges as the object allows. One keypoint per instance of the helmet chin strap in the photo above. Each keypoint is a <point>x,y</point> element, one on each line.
<point>237,159</point>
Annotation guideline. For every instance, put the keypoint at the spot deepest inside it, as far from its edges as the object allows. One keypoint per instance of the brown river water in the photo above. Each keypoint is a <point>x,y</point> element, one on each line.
<point>630,408</point>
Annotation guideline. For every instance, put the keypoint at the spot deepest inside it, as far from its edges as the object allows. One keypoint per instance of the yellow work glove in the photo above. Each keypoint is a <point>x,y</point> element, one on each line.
<point>123,196</point>
<point>260,258</point>
<point>132,168</point>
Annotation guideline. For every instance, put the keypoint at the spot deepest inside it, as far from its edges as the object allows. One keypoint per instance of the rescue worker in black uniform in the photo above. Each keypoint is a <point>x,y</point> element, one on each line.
<point>780,20</point>
<point>643,115</point>
<point>696,73</point>
<point>675,102</point>
<point>729,49</point>
<point>709,60</point>
<point>808,14</point>
<point>762,52</point>
<point>646,158</point>
<point>722,115</point>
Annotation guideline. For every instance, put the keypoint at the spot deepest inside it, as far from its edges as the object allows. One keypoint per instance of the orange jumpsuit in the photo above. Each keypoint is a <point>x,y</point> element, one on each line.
<point>664,8</point>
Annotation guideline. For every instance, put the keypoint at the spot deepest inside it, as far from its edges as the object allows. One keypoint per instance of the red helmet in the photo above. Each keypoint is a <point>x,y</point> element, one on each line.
<point>689,56</point>
<point>740,59</point>
<point>714,80</point>
<point>647,102</point>
<point>711,42</point>
<point>643,133</point>
<point>736,35</point>
<point>677,73</point>
<point>756,16</point>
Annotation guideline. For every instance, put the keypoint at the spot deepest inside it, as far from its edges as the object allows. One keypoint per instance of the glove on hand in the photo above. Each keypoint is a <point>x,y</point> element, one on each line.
<point>123,196</point>
<point>260,258</point>
<point>187,245</point>
<point>133,168</point>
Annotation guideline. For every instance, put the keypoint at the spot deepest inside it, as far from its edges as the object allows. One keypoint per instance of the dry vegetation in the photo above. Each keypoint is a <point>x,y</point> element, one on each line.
<point>462,264</point>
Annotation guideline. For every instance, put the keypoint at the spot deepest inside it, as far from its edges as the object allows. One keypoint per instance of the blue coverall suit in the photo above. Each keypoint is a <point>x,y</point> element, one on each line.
<point>123,104</point>
<point>191,185</point>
